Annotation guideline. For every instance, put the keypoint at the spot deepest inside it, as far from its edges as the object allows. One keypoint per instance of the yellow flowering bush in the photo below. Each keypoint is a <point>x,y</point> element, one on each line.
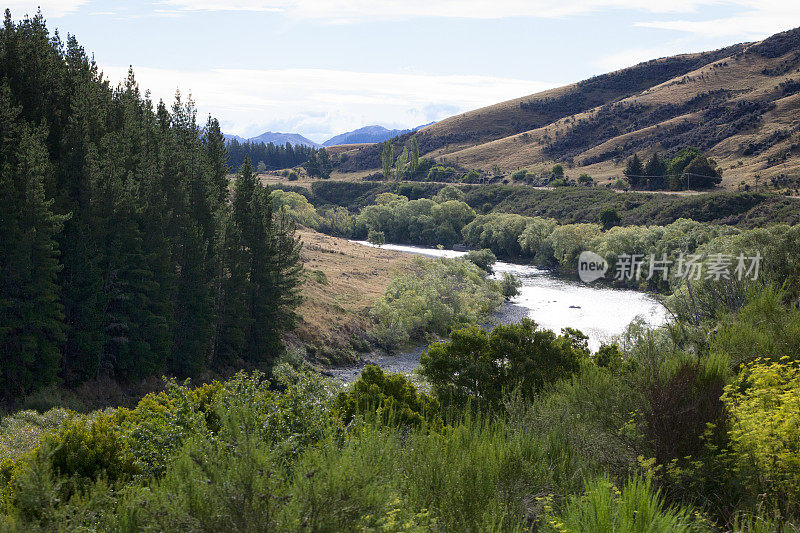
<point>764,404</point>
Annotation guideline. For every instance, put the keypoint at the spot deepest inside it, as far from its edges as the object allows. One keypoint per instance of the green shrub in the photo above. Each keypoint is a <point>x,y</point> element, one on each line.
<point>296,206</point>
<point>392,396</point>
<point>483,259</point>
<point>480,367</point>
<point>376,237</point>
<point>161,422</point>
<point>519,175</point>
<point>638,507</point>
<point>433,297</point>
<point>509,285</point>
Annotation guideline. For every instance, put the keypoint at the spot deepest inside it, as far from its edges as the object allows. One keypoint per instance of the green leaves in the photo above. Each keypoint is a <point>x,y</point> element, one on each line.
<point>480,367</point>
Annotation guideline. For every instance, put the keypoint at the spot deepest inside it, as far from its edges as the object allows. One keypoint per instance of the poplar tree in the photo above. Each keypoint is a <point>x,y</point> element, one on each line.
<point>387,158</point>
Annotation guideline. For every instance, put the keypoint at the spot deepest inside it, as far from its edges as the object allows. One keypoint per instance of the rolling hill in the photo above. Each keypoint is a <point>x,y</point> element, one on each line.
<point>740,104</point>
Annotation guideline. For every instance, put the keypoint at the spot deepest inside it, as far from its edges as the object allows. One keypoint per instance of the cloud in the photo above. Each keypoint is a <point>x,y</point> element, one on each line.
<point>320,103</point>
<point>756,19</point>
<point>50,8</point>
<point>357,10</point>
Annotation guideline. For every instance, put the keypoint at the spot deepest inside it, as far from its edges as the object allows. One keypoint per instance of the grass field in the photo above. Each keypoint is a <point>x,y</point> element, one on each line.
<point>343,281</point>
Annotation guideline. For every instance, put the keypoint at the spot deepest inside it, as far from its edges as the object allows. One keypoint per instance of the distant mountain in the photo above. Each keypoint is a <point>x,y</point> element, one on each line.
<point>275,138</point>
<point>230,137</point>
<point>367,134</point>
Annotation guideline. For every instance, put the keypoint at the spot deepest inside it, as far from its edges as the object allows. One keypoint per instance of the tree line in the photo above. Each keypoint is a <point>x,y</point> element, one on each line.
<point>123,252</point>
<point>267,156</point>
<point>689,168</point>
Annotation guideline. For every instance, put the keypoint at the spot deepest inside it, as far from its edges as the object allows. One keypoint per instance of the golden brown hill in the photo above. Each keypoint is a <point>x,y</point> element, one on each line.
<point>739,104</point>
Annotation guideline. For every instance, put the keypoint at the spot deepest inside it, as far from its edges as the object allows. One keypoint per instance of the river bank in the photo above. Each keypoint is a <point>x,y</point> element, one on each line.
<point>554,303</point>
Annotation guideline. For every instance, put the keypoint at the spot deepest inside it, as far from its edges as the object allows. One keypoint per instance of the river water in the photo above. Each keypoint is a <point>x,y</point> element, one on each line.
<point>554,303</point>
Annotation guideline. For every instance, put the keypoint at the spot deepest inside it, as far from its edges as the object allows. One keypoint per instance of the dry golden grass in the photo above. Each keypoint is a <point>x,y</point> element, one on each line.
<point>494,141</point>
<point>336,301</point>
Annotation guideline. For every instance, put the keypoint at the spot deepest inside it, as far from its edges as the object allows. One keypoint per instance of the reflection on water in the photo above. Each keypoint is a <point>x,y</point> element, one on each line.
<point>554,303</point>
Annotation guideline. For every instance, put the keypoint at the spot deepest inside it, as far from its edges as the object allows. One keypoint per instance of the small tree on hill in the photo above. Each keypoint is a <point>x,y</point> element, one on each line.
<point>634,171</point>
<point>655,170</point>
<point>701,173</point>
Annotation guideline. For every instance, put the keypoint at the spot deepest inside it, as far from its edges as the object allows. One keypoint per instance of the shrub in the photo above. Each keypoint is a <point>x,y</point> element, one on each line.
<point>683,403</point>
<point>519,175</point>
<point>509,285</point>
<point>433,297</point>
<point>393,396</point>
<point>764,403</point>
<point>483,259</point>
<point>161,422</point>
<point>608,218</point>
<point>297,207</point>
<point>86,450</point>
<point>376,237</point>
<point>603,508</point>
<point>478,366</point>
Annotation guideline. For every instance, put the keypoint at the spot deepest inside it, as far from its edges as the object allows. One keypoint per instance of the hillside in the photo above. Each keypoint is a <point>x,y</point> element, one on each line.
<point>738,103</point>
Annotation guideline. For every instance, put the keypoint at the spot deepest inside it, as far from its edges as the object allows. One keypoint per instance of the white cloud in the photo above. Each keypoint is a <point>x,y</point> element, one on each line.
<point>320,103</point>
<point>50,8</point>
<point>756,20</point>
<point>354,10</point>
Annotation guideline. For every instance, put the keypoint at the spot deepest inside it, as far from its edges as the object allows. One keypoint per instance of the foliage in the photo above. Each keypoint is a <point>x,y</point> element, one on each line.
<point>764,402</point>
<point>431,298</point>
<point>271,155</point>
<point>604,508</point>
<point>478,366</point>
<point>121,254</point>
<point>296,206</point>
<point>393,396</point>
<point>608,218</point>
<point>499,232</point>
<point>483,259</point>
<point>376,237</point>
<point>509,285</point>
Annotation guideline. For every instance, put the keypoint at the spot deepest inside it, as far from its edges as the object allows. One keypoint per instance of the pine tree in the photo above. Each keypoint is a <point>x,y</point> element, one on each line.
<point>655,170</point>
<point>634,171</point>
<point>31,317</point>
<point>312,165</point>
<point>324,162</point>
<point>217,156</point>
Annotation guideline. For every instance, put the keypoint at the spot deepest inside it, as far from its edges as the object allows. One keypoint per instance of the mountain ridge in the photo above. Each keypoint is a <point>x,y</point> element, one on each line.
<point>738,103</point>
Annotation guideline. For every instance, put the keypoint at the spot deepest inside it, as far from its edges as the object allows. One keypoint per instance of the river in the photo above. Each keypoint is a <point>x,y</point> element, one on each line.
<point>554,303</point>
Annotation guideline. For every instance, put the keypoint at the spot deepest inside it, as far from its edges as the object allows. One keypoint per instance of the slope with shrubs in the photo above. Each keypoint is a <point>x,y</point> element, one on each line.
<point>738,103</point>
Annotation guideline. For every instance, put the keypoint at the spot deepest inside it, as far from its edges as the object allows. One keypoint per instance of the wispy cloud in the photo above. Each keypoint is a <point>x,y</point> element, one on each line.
<point>320,103</point>
<point>356,10</point>
<point>755,20</point>
<point>51,8</point>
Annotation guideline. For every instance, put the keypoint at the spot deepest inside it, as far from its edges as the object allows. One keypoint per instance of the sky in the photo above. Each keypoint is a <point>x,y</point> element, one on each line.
<point>323,67</point>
